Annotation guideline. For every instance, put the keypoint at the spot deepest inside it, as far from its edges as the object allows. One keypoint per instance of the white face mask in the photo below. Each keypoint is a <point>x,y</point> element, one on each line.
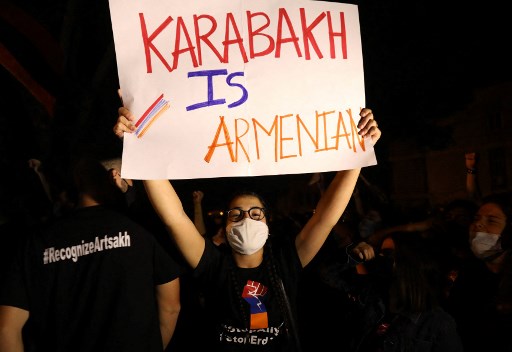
<point>485,245</point>
<point>247,235</point>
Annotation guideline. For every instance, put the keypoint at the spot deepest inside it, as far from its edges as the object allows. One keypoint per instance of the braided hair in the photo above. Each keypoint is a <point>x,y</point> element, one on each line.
<point>276,284</point>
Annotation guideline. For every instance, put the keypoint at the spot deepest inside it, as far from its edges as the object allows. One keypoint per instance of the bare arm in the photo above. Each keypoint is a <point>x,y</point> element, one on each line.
<point>335,199</point>
<point>169,208</point>
<point>168,298</point>
<point>471,182</point>
<point>167,204</point>
<point>12,320</point>
<point>329,210</point>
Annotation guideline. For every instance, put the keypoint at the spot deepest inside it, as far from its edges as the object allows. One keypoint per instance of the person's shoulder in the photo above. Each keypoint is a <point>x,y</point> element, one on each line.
<point>97,216</point>
<point>100,211</point>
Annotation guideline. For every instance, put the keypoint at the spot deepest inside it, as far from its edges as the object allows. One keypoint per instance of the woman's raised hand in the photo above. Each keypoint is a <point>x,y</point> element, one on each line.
<point>125,122</point>
<point>367,125</point>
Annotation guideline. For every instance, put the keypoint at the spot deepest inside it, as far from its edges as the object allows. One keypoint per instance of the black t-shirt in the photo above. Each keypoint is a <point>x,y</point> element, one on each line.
<point>88,281</point>
<point>252,291</point>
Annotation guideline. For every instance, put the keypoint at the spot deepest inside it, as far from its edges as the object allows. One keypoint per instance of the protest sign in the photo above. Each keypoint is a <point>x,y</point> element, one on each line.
<point>240,88</point>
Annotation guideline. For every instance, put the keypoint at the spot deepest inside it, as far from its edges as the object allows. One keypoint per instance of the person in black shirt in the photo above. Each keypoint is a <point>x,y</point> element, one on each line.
<point>93,280</point>
<point>251,289</point>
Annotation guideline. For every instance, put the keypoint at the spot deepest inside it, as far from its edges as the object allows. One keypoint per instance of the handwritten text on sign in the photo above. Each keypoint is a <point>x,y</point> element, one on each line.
<point>242,88</point>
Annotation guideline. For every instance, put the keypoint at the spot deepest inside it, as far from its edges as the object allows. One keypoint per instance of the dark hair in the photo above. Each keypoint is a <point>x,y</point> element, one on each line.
<point>504,201</point>
<point>245,193</point>
<point>274,276</point>
<point>90,177</point>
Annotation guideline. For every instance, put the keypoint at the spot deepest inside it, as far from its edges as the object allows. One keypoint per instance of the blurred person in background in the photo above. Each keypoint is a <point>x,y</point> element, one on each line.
<point>481,296</point>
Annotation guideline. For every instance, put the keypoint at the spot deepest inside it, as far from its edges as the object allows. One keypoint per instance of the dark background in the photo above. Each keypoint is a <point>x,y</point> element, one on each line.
<point>422,61</point>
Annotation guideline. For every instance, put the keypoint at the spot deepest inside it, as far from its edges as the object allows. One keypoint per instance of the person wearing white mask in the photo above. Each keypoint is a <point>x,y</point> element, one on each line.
<point>481,297</point>
<point>251,288</point>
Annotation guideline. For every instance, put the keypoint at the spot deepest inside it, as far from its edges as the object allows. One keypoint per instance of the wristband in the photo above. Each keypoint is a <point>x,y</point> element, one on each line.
<point>471,171</point>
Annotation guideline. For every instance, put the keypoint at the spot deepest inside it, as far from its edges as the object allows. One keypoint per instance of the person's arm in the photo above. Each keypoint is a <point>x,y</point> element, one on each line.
<point>12,320</point>
<point>169,208</point>
<point>471,181</point>
<point>363,251</point>
<point>197,197</point>
<point>167,204</point>
<point>168,298</point>
<point>333,202</point>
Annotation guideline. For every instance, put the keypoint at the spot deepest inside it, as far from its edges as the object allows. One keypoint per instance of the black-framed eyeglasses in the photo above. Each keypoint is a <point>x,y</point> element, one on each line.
<point>237,214</point>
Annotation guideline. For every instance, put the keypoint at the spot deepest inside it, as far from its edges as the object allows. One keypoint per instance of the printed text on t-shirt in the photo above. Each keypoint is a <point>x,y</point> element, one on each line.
<point>52,254</point>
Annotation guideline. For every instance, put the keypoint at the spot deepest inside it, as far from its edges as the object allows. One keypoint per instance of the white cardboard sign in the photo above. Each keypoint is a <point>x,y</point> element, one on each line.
<point>230,88</point>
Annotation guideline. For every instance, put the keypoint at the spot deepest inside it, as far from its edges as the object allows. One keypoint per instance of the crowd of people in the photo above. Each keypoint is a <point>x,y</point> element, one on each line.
<point>114,264</point>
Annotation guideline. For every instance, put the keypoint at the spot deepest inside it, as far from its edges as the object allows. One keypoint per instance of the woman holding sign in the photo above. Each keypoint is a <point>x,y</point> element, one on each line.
<point>251,290</point>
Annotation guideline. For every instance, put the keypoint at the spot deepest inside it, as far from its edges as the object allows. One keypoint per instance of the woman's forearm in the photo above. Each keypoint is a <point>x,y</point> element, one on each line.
<point>169,208</point>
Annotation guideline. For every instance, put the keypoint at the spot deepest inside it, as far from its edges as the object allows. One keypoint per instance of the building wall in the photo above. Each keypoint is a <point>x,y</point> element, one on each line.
<point>432,178</point>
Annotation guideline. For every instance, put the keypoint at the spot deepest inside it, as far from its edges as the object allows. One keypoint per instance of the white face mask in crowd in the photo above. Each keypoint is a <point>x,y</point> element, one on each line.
<point>485,245</point>
<point>247,235</point>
